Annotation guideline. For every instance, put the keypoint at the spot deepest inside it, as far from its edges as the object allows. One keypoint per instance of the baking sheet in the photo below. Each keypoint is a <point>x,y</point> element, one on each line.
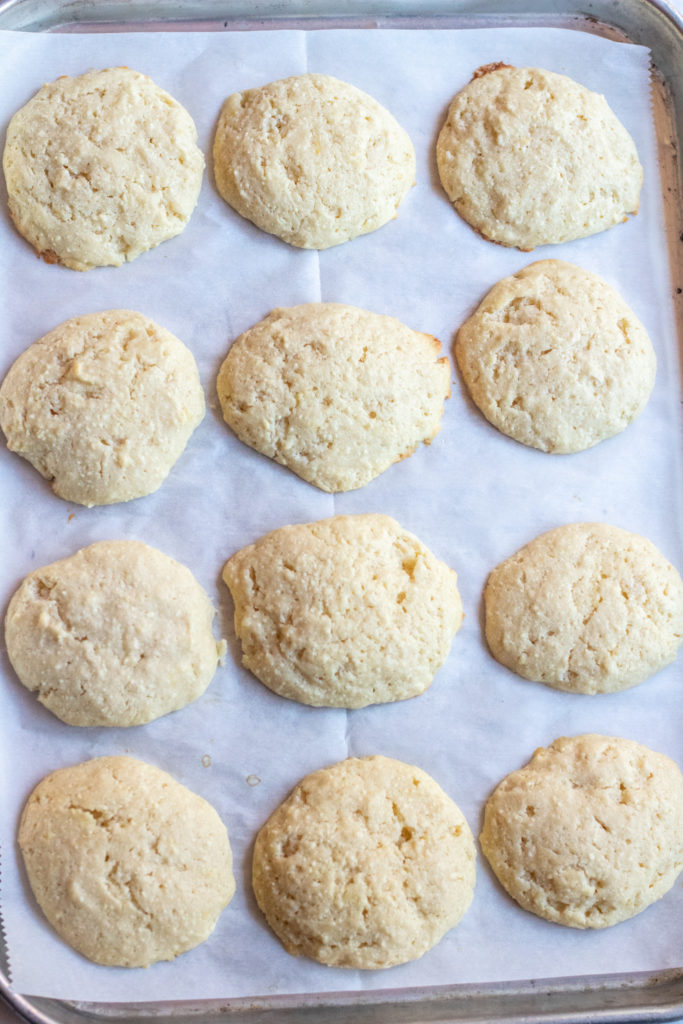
<point>473,497</point>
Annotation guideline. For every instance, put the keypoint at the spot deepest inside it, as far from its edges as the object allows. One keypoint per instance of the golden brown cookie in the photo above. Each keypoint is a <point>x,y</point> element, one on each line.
<point>367,864</point>
<point>586,607</point>
<point>555,358</point>
<point>117,634</point>
<point>529,157</point>
<point>102,406</point>
<point>335,393</point>
<point>589,832</point>
<point>311,159</point>
<point>344,612</point>
<point>128,866</point>
<point>101,167</point>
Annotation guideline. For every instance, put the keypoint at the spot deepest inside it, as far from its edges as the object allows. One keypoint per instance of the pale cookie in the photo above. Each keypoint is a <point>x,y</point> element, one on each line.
<point>367,864</point>
<point>100,168</point>
<point>102,406</point>
<point>587,608</point>
<point>555,359</point>
<point>344,612</point>
<point>117,634</point>
<point>589,832</point>
<point>529,157</point>
<point>312,160</point>
<point>335,393</point>
<point>128,866</point>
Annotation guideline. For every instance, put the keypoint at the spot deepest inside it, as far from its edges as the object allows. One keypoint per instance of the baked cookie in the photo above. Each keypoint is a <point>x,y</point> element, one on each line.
<point>344,612</point>
<point>555,359</point>
<point>587,608</point>
<point>100,168</point>
<point>589,832</point>
<point>128,866</point>
<point>117,634</point>
<point>102,406</point>
<point>335,393</point>
<point>312,160</point>
<point>529,157</point>
<point>367,864</point>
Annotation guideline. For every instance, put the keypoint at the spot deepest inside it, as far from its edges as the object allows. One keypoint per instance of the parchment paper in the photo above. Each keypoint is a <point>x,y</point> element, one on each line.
<point>473,497</point>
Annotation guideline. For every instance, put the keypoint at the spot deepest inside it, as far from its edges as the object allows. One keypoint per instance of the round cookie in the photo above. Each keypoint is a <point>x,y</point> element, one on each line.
<point>335,393</point>
<point>555,359</point>
<point>587,607</point>
<point>312,160</point>
<point>117,634</point>
<point>344,612</point>
<point>589,832</point>
<point>128,866</point>
<point>529,157</point>
<point>102,406</point>
<point>100,168</point>
<point>367,864</point>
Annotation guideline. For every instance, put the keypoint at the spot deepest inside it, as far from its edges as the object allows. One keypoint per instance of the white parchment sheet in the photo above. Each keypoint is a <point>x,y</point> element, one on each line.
<point>473,497</point>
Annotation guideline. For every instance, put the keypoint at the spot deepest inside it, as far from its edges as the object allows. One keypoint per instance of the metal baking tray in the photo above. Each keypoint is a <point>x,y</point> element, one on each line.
<point>653,23</point>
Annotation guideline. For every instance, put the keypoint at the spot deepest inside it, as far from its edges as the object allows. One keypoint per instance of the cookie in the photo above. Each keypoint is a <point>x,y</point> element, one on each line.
<point>555,359</point>
<point>366,864</point>
<point>102,406</point>
<point>128,866</point>
<point>587,607</point>
<point>589,832</point>
<point>117,634</point>
<point>101,167</point>
<point>529,157</point>
<point>344,612</point>
<point>335,393</point>
<point>312,160</point>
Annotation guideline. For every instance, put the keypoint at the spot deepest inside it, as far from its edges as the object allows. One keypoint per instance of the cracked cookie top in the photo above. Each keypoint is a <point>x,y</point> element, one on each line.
<point>344,612</point>
<point>367,864</point>
<point>311,159</point>
<point>128,866</point>
<point>335,393</point>
<point>116,635</point>
<point>555,358</point>
<point>100,168</point>
<point>587,607</point>
<point>529,157</point>
<point>102,406</point>
<point>589,832</point>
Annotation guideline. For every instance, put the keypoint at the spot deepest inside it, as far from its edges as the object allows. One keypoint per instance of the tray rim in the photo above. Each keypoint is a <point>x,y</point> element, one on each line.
<point>596,999</point>
<point>600,999</point>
